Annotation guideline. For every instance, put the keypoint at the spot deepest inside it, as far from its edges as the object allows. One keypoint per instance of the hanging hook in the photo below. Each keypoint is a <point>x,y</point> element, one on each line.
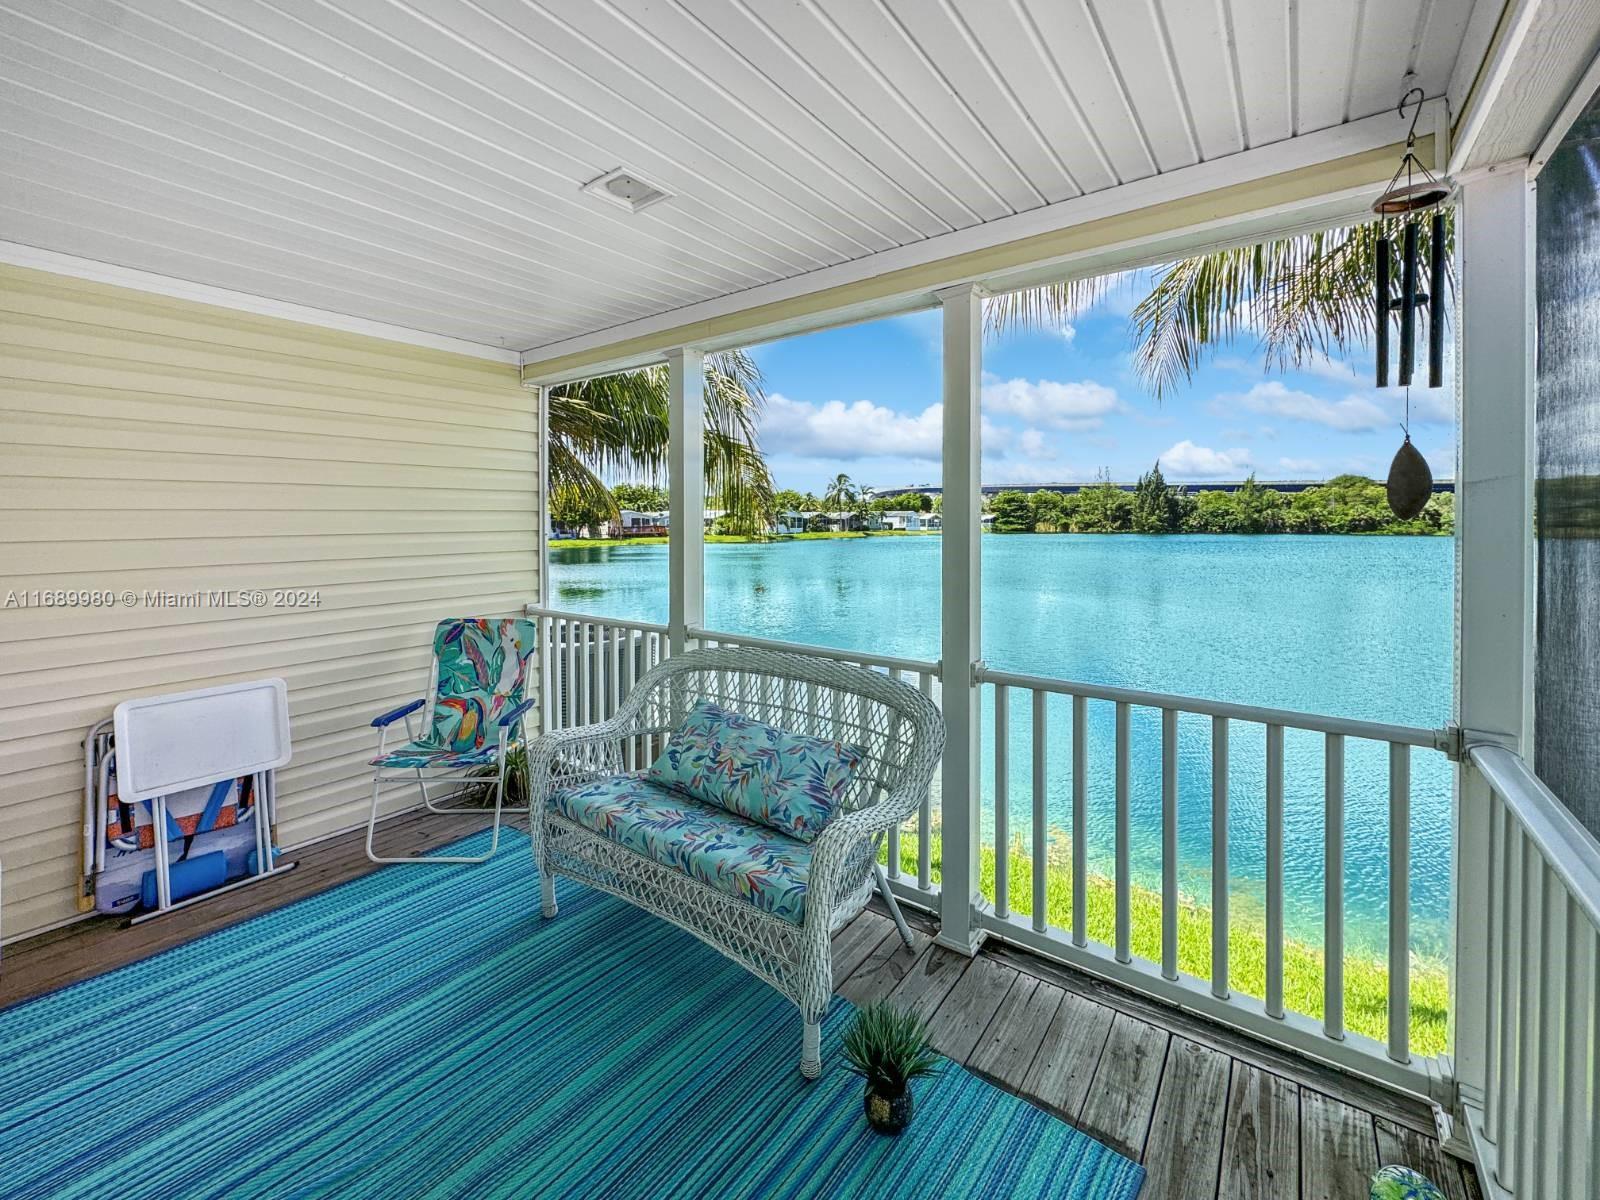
<point>1411,134</point>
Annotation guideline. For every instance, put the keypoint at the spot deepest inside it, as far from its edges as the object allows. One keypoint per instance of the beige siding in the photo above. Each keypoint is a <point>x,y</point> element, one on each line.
<point>159,445</point>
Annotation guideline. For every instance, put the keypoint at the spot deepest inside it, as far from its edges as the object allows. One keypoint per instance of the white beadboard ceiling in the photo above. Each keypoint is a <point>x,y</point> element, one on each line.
<point>419,162</point>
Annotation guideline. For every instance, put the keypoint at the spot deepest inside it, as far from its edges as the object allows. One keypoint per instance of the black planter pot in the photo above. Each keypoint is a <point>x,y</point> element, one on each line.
<point>888,1114</point>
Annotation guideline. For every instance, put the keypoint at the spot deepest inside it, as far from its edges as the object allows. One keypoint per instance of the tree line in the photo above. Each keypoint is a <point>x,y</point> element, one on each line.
<point>1344,504</point>
<point>574,508</point>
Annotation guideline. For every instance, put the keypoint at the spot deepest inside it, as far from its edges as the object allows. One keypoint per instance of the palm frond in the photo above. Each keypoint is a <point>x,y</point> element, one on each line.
<point>1049,307</point>
<point>1303,296</point>
<point>619,425</point>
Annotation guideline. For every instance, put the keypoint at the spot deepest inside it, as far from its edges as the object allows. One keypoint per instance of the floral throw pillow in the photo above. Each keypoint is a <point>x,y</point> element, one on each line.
<point>786,781</point>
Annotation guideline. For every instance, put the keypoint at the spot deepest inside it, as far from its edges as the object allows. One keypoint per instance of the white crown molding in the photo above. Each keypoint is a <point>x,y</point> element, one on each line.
<point>18,255</point>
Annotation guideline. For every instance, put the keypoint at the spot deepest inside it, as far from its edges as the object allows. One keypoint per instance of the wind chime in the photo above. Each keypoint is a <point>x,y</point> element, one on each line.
<point>1410,483</point>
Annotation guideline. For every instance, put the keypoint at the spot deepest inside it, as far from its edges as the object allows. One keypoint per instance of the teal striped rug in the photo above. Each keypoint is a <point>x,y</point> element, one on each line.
<point>422,1032</point>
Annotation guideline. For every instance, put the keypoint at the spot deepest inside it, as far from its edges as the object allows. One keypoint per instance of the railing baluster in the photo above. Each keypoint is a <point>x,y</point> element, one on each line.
<point>1529,980</point>
<point>1553,992</point>
<point>1080,821</point>
<point>1219,857</point>
<point>1592,1143</point>
<point>574,715</point>
<point>1496,886</point>
<point>1169,843</point>
<point>1333,885</point>
<point>547,627</point>
<point>629,667</point>
<point>925,809</point>
<point>1002,801</point>
<point>892,853</point>
<point>1041,832</point>
<point>1399,902</point>
<point>1274,996</point>
<point>1124,880</point>
<point>1510,1000</point>
<point>619,637</point>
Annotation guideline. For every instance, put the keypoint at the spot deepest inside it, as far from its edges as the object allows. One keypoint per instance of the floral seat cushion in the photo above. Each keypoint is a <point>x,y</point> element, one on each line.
<point>788,781</point>
<point>420,754</point>
<point>721,849</point>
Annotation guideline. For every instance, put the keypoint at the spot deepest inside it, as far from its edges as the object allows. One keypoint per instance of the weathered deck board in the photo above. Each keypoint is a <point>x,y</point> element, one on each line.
<point>1338,1149</point>
<point>1183,1152</point>
<point>1122,1097</point>
<point>969,1008</point>
<point>882,970</point>
<point>1007,1047</point>
<point>929,980</point>
<point>1060,1074</point>
<point>1211,1112</point>
<point>1261,1136</point>
<point>856,941</point>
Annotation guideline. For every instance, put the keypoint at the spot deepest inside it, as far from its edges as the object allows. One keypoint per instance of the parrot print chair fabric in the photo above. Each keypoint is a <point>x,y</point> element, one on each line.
<point>481,669</point>
<point>474,708</point>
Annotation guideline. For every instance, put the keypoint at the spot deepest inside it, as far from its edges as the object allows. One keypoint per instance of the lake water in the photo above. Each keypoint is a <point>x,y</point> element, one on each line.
<point>1349,626</point>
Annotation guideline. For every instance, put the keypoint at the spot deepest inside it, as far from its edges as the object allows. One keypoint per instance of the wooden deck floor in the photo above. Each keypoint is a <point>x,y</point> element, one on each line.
<point>1209,1113</point>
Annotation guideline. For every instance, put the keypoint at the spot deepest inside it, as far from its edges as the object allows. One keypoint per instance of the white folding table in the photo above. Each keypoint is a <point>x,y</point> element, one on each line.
<point>168,744</point>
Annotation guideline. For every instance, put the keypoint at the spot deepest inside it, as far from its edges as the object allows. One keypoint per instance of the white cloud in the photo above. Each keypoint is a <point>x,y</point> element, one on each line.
<point>1081,405</point>
<point>1033,444</point>
<point>1188,461</point>
<point>1300,466</point>
<point>840,431</point>
<point>1355,412</point>
<point>1352,414</point>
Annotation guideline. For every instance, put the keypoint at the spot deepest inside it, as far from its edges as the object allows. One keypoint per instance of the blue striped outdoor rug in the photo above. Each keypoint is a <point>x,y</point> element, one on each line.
<point>422,1032</point>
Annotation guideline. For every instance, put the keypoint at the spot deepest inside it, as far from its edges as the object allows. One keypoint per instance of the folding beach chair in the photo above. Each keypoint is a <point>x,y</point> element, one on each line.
<point>475,708</point>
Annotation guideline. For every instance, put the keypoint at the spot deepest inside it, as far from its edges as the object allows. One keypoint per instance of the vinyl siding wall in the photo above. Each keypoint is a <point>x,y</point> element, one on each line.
<point>156,444</point>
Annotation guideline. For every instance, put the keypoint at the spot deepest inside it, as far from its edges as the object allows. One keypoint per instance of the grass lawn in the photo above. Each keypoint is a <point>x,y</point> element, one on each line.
<point>1366,978</point>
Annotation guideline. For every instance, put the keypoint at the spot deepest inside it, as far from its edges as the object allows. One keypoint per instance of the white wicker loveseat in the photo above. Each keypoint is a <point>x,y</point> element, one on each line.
<point>898,732</point>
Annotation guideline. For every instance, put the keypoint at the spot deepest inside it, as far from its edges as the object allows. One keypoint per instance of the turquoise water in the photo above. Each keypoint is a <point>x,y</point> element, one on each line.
<point>1349,626</point>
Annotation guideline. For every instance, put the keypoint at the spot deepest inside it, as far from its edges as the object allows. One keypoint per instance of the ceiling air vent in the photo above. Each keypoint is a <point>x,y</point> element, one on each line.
<point>626,190</point>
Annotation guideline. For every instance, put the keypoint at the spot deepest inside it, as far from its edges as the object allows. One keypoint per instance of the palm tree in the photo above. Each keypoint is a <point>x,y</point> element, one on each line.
<point>619,423</point>
<point>841,493</point>
<point>1305,296</point>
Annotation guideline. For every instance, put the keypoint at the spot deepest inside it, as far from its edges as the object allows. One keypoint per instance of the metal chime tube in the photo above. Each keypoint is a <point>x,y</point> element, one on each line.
<point>1436,285</point>
<point>1408,304</point>
<point>1385,252</point>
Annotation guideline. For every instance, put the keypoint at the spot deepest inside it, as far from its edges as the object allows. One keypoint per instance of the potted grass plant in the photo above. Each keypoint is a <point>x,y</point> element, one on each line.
<point>888,1047</point>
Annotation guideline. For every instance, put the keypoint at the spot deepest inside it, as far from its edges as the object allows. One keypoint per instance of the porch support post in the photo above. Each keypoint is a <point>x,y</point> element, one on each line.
<point>961,641</point>
<point>686,479</point>
<point>1494,555</point>
<point>543,592</point>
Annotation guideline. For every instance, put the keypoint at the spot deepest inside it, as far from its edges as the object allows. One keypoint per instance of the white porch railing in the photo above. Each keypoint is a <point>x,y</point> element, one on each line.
<point>1532,1098</point>
<point>1216,996</point>
<point>588,664</point>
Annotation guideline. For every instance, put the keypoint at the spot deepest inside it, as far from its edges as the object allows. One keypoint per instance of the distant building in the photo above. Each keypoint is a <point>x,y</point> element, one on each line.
<point>909,520</point>
<point>630,523</point>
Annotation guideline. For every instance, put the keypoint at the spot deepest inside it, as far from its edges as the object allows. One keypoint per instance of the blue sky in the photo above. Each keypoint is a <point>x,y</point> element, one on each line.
<point>1061,406</point>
